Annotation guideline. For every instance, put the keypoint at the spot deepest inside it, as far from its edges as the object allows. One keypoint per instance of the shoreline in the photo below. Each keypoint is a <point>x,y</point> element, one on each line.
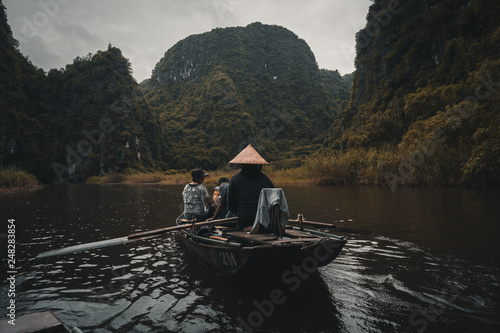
<point>279,177</point>
<point>23,182</point>
<point>20,189</point>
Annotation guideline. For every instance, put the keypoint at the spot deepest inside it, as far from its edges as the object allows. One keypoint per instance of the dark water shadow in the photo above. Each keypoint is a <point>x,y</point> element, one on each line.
<point>273,302</point>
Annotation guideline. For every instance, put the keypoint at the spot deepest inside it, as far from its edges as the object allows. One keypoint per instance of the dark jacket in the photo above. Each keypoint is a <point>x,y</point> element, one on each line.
<point>244,191</point>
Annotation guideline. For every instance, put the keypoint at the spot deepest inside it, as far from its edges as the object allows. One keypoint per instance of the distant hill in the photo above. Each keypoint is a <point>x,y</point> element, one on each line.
<point>426,87</point>
<point>218,91</point>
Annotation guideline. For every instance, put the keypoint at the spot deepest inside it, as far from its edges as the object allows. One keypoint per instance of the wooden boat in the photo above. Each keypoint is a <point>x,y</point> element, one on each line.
<point>229,251</point>
<point>39,322</point>
<point>273,247</point>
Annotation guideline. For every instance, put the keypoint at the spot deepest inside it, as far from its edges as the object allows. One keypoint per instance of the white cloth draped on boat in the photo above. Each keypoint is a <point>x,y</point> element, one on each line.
<point>267,199</point>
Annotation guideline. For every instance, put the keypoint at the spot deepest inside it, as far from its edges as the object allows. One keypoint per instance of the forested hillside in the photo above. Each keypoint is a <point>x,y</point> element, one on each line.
<point>19,127</point>
<point>260,84</point>
<point>209,96</point>
<point>425,99</point>
<point>100,117</point>
<point>422,107</point>
<point>86,119</point>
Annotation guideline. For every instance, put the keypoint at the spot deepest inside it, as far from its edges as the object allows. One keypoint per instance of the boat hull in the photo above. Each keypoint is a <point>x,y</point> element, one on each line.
<point>230,259</point>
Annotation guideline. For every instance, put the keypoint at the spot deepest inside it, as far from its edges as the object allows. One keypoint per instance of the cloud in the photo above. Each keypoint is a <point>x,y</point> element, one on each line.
<point>54,32</point>
<point>38,53</point>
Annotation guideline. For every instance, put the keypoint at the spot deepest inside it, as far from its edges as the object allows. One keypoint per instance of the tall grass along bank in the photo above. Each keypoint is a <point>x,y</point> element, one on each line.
<point>11,180</point>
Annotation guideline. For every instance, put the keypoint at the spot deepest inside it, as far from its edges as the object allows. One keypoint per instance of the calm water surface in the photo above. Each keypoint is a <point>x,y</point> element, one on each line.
<point>432,264</point>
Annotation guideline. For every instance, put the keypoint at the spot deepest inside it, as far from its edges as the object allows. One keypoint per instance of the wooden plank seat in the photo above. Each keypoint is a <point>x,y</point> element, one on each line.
<point>296,240</point>
<point>270,239</point>
<point>257,238</point>
<point>296,233</point>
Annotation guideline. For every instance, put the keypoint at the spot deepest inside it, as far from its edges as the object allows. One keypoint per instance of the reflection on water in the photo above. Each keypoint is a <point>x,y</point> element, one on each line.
<point>417,273</point>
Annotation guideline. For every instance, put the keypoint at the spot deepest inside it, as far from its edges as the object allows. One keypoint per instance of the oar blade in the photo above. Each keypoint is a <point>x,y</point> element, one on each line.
<point>84,247</point>
<point>130,238</point>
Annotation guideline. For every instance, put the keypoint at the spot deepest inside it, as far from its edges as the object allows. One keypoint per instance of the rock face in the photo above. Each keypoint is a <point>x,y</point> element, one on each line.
<point>427,69</point>
<point>258,84</point>
<point>253,50</point>
<point>108,127</point>
<point>411,45</point>
<point>86,119</point>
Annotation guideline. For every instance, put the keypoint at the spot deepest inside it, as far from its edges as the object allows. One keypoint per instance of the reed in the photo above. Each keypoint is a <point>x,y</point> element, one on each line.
<point>17,180</point>
<point>151,177</point>
<point>278,176</point>
<point>299,175</point>
<point>107,179</point>
<point>441,166</point>
<point>169,177</point>
<point>354,167</point>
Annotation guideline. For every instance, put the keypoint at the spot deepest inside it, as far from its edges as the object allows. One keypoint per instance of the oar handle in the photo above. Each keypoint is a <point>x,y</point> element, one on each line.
<point>338,228</point>
<point>179,227</point>
<point>320,224</point>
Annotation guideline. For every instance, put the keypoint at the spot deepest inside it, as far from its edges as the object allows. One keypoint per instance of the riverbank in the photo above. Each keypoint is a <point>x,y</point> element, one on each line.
<point>369,167</point>
<point>17,181</point>
<point>401,167</point>
<point>291,176</point>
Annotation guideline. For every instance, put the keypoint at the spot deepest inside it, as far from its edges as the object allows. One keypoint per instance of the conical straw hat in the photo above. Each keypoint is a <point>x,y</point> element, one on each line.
<point>248,156</point>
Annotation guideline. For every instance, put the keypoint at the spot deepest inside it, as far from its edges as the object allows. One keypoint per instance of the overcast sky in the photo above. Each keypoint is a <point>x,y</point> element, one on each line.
<point>54,32</point>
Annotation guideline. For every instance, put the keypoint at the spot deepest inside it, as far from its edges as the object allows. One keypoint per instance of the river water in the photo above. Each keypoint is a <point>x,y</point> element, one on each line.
<point>431,265</point>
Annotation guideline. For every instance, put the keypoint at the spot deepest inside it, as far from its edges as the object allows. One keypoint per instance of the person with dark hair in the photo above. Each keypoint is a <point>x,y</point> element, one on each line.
<point>245,186</point>
<point>221,183</point>
<point>220,199</point>
<point>196,200</point>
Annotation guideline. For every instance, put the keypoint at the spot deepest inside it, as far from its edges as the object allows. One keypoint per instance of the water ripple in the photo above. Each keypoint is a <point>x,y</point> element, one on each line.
<point>377,284</point>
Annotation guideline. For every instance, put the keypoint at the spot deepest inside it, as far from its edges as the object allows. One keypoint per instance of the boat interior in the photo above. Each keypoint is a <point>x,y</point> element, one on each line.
<point>273,235</point>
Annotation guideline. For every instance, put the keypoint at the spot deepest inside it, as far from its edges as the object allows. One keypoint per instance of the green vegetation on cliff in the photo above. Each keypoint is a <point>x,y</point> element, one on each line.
<point>422,107</point>
<point>218,91</point>
<point>426,88</point>
<point>20,128</point>
<point>100,117</point>
<point>86,119</point>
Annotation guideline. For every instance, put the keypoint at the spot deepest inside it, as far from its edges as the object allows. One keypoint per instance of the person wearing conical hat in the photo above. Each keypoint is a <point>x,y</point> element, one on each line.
<point>245,186</point>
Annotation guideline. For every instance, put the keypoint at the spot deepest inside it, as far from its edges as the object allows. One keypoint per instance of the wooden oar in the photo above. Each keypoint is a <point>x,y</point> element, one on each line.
<point>130,238</point>
<point>337,228</point>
